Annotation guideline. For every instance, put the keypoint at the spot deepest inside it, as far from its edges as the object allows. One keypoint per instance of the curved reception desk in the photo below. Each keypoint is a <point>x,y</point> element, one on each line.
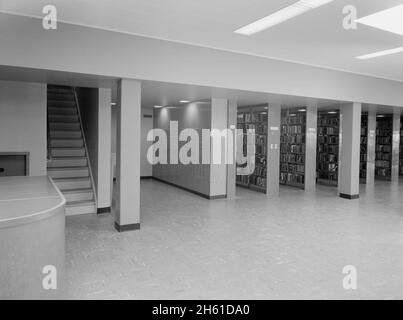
<point>32,238</point>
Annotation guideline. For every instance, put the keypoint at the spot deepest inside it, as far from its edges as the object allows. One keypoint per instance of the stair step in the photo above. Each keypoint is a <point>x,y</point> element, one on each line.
<point>60,96</point>
<point>62,111</point>
<point>75,172</point>
<point>67,152</point>
<point>72,183</point>
<point>60,162</point>
<point>80,207</point>
<point>67,143</point>
<point>61,103</point>
<point>65,134</point>
<point>73,126</point>
<point>62,118</point>
<point>78,195</point>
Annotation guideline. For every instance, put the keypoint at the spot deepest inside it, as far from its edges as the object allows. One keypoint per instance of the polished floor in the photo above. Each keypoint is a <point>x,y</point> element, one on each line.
<point>291,246</point>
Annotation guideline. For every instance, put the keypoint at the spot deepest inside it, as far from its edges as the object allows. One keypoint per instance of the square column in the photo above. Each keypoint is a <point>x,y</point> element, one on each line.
<point>349,164</point>
<point>396,145</point>
<point>128,155</point>
<point>310,147</point>
<point>104,181</point>
<point>273,149</point>
<point>371,144</point>
<point>218,171</point>
<point>231,168</point>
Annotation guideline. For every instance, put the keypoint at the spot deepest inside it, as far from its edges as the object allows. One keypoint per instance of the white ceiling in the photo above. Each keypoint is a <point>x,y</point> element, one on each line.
<point>315,38</point>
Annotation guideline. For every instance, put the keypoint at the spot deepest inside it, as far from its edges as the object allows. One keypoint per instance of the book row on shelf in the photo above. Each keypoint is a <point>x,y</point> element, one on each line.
<point>327,157</point>
<point>382,172</point>
<point>384,140</point>
<point>300,168</point>
<point>292,178</point>
<point>252,117</point>
<point>292,158</point>
<point>328,140</point>
<point>324,148</point>
<point>292,148</point>
<point>383,148</point>
<point>287,129</point>
<point>384,132</point>
<point>328,121</point>
<point>382,163</point>
<point>297,118</point>
<point>261,171</point>
<point>328,131</point>
<point>293,139</point>
<point>257,181</point>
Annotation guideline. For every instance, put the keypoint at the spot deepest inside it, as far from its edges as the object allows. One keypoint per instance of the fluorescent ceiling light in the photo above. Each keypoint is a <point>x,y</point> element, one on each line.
<point>280,16</point>
<point>301,110</point>
<point>184,101</point>
<point>158,107</point>
<point>380,53</point>
<point>332,112</point>
<point>113,104</point>
<point>390,20</point>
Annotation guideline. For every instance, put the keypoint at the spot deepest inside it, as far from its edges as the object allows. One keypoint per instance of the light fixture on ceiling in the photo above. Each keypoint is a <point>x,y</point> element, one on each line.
<point>280,16</point>
<point>292,115</point>
<point>380,116</point>
<point>158,107</point>
<point>113,104</point>
<point>184,101</point>
<point>388,20</point>
<point>380,53</point>
<point>301,110</point>
<point>332,112</point>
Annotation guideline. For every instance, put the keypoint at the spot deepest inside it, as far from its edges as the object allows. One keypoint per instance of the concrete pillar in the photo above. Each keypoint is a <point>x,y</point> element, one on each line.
<point>371,145</point>
<point>104,182</point>
<point>396,145</point>
<point>273,148</point>
<point>218,171</point>
<point>231,168</point>
<point>349,163</point>
<point>128,155</point>
<point>310,147</point>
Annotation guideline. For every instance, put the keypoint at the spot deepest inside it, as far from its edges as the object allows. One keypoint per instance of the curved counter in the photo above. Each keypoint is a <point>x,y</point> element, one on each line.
<point>32,238</point>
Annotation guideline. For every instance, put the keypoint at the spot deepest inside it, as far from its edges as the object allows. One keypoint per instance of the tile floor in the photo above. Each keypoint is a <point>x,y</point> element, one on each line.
<point>290,246</point>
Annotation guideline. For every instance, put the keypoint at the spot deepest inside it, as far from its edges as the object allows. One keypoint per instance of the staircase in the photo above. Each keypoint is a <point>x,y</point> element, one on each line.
<point>67,156</point>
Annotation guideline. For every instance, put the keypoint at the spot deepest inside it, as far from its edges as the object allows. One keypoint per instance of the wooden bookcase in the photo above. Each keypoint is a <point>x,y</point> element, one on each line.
<point>328,147</point>
<point>364,148</point>
<point>292,147</point>
<point>383,148</point>
<point>255,117</point>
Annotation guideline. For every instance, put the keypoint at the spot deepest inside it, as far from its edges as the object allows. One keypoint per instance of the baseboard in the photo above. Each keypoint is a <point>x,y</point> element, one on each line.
<point>145,177</point>
<point>205,196</point>
<point>349,197</point>
<point>127,227</point>
<point>103,210</point>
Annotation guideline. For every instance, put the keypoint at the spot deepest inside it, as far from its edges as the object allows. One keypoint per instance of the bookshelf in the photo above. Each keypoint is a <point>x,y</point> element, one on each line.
<point>328,147</point>
<point>383,148</point>
<point>255,117</point>
<point>401,148</point>
<point>364,147</point>
<point>292,147</point>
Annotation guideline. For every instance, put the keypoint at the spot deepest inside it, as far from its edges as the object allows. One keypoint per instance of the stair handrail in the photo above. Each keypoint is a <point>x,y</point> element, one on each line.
<point>85,146</point>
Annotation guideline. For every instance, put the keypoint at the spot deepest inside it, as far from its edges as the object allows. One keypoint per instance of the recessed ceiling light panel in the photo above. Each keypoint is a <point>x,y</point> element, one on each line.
<point>280,16</point>
<point>390,20</point>
<point>380,53</point>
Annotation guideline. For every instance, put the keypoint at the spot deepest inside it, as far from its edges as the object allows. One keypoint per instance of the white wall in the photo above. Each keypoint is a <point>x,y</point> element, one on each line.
<point>23,122</point>
<point>146,169</point>
<point>195,177</point>
<point>95,108</point>
<point>151,59</point>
